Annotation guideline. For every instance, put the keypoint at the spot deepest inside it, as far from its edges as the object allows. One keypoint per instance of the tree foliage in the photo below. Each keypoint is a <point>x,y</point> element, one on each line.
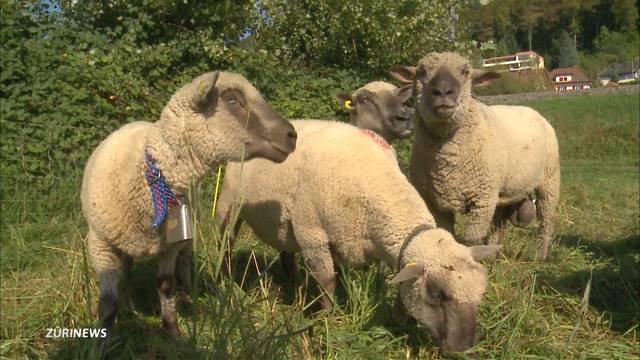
<point>567,54</point>
<point>366,35</point>
<point>548,18</point>
<point>610,47</point>
<point>152,21</point>
<point>541,25</point>
<point>65,85</point>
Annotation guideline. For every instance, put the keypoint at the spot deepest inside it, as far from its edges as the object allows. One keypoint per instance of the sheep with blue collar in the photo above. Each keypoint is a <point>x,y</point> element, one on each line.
<point>139,173</point>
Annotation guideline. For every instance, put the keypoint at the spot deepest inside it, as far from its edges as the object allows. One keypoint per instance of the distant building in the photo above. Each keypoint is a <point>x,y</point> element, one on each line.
<point>524,60</point>
<point>621,73</point>
<point>569,79</point>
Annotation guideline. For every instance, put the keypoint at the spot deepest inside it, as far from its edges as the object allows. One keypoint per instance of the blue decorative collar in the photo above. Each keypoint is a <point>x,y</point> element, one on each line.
<point>161,195</point>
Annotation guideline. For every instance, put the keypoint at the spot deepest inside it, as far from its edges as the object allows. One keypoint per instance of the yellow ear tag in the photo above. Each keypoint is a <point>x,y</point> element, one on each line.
<point>347,104</point>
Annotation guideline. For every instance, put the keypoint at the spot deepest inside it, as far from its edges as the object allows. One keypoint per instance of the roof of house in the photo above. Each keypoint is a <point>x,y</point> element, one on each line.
<point>621,68</point>
<point>577,75</point>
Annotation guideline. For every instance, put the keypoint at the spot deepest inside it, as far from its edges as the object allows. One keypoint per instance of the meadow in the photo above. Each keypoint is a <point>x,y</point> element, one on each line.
<point>582,304</point>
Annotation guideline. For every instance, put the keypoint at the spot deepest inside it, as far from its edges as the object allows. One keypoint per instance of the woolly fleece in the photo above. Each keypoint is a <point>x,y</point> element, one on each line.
<point>482,157</point>
<point>342,197</point>
<point>116,199</point>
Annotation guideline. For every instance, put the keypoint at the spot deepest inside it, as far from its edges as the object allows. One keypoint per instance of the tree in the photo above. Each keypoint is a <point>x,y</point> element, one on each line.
<point>567,52</point>
<point>529,13</point>
<point>155,21</point>
<point>625,14</point>
<point>620,46</point>
<point>365,35</point>
<point>507,45</point>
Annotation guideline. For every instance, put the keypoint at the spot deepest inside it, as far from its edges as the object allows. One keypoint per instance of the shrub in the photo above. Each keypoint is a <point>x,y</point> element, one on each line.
<point>369,36</point>
<point>64,87</point>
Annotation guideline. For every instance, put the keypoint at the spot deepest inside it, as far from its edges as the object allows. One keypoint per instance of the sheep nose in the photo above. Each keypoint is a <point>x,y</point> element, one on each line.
<point>403,115</point>
<point>292,137</point>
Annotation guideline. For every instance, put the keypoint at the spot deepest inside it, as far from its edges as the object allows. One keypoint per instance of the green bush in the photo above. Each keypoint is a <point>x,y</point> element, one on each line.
<point>369,36</point>
<point>64,87</point>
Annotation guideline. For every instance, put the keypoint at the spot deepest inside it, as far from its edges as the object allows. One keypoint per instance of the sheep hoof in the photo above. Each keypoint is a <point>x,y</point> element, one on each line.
<point>172,329</point>
<point>471,242</point>
<point>103,345</point>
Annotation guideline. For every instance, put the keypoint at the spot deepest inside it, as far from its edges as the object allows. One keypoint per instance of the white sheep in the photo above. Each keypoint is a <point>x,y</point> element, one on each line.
<point>378,106</point>
<point>479,160</point>
<point>134,176</point>
<point>341,197</point>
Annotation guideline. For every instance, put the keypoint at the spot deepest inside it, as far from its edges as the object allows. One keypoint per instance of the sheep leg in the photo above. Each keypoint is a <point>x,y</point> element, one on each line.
<point>444,220</point>
<point>499,225</point>
<point>547,197</point>
<point>288,261</point>
<point>165,281</point>
<point>317,255</point>
<point>322,269</point>
<point>231,238</point>
<point>107,263</point>
<point>478,223</point>
<point>127,264</point>
<point>184,265</point>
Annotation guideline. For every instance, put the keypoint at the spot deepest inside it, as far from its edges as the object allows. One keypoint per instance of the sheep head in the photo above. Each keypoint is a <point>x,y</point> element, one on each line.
<point>441,286</point>
<point>220,115</point>
<point>445,81</point>
<point>379,107</point>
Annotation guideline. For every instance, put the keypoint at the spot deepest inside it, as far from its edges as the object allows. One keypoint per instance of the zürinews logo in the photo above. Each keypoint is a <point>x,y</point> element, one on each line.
<point>76,333</point>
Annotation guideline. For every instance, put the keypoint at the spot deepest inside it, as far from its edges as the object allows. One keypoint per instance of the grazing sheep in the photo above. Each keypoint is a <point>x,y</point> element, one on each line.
<point>342,197</point>
<point>480,160</point>
<point>378,106</point>
<point>138,172</point>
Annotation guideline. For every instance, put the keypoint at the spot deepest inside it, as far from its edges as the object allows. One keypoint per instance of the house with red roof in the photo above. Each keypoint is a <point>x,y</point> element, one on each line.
<point>570,79</point>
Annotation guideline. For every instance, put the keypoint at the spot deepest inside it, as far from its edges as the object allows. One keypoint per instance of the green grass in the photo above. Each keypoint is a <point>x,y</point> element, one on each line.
<point>583,304</point>
<point>594,127</point>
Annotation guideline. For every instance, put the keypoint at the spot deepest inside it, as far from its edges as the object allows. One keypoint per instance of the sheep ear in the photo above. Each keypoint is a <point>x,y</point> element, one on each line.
<point>404,93</point>
<point>482,78</point>
<point>205,92</point>
<point>345,100</point>
<point>480,252</point>
<point>410,271</point>
<point>405,74</point>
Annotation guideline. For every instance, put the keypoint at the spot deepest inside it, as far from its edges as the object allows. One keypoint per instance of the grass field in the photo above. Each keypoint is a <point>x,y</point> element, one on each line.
<point>583,304</point>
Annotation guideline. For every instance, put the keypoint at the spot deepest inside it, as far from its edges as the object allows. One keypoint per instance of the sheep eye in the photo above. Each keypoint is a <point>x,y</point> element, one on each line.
<point>232,100</point>
<point>437,92</point>
<point>436,295</point>
<point>421,74</point>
